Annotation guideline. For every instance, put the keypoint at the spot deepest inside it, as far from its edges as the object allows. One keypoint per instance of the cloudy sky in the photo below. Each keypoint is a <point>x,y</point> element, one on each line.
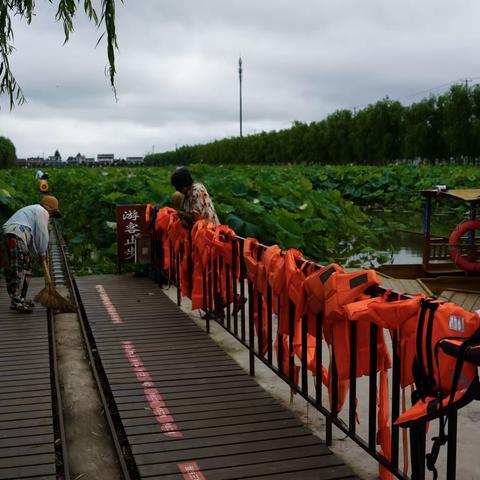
<point>177,79</point>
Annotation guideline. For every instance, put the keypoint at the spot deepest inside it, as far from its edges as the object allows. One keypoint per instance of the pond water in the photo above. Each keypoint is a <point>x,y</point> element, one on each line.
<point>404,233</point>
<point>407,248</point>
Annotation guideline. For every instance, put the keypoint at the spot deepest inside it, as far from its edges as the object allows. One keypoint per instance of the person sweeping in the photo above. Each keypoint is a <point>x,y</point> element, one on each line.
<point>26,231</point>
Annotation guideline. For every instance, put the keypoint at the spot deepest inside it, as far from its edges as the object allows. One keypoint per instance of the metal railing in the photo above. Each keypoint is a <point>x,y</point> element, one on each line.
<point>235,314</point>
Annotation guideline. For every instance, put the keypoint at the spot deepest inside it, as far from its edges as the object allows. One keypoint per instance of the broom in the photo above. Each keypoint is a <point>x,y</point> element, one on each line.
<point>49,297</point>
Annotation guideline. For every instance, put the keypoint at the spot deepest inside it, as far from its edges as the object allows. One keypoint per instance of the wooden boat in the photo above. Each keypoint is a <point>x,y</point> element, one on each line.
<point>438,275</point>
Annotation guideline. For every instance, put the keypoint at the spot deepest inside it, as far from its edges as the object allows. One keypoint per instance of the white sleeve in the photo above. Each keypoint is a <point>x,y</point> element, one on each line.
<point>40,233</point>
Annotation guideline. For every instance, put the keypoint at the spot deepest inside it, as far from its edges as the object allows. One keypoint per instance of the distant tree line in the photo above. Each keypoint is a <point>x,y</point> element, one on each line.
<point>436,129</point>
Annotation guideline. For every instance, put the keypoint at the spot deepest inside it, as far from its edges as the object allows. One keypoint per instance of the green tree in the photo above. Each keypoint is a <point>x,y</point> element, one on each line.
<point>66,11</point>
<point>57,156</point>
<point>457,128</point>
<point>8,154</point>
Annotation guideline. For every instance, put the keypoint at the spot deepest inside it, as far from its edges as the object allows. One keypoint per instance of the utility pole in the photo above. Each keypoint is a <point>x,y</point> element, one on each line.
<point>240,71</point>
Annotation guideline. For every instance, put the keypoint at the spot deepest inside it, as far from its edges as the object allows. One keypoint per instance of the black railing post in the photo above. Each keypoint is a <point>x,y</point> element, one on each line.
<point>452,445</point>
<point>395,400</point>
<point>304,355</point>
<point>417,451</point>
<point>291,327</point>
<point>236,303</point>
<point>261,340</point>
<point>178,279</point>
<point>242,292</point>
<point>353,378</point>
<point>251,328</point>
<point>269,324</point>
<point>228,299</point>
<point>219,314</point>
<point>190,264</point>
<point>280,351</point>
<point>208,314</point>
<point>372,391</point>
<point>318,360</point>
<point>214,287</point>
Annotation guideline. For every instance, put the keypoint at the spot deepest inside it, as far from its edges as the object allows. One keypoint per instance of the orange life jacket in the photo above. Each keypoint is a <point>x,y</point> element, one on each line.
<point>223,244</point>
<point>295,276</point>
<point>165,216</point>
<point>202,235</point>
<point>178,236</point>
<point>442,381</point>
<point>399,315</point>
<point>286,280</point>
<point>148,211</point>
<point>253,256</point>
<point>284,365</point>
<point>255,270</point>
<point>314,287</point>
<point>274,262</point>
<point>440,324</point>
<point>341,289</point>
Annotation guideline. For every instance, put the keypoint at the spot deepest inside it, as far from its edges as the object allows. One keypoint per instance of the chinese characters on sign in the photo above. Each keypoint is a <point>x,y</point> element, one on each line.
<point>130,224</point>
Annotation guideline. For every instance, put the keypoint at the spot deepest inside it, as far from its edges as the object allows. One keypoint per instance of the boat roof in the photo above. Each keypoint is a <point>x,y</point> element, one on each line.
<point>466,195</point>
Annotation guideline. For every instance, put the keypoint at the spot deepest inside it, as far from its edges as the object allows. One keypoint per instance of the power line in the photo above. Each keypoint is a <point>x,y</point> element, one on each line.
<point>422,92</point>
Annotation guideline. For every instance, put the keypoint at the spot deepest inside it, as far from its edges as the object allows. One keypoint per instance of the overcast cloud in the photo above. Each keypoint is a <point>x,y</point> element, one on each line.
<point>177,79</point>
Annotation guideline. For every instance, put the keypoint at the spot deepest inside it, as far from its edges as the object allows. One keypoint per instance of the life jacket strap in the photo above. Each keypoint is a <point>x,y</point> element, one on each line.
<point>431,457</point>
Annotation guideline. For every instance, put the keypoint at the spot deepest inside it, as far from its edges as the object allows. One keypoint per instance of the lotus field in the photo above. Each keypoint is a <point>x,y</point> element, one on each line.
<point>328,212</point>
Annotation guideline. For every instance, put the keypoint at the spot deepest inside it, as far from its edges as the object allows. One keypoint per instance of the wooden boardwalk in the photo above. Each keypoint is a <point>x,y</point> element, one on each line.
<point>467,300</point>
<point>188,410</point>
<point>27,449</point>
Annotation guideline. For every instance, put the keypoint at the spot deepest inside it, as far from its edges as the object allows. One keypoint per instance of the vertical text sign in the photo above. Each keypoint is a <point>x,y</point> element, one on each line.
<point>130,223</point>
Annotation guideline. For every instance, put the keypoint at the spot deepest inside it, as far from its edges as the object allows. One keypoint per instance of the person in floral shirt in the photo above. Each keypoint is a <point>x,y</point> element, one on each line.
<point>197,204</point>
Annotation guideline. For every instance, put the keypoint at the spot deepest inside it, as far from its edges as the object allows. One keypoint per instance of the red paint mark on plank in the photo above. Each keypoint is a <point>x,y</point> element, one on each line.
<point>191,471</point>
<point>152,394</point>
<point>109,306</point>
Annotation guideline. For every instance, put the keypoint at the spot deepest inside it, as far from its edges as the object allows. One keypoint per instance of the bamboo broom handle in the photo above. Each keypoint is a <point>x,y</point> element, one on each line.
<point>46,272</point>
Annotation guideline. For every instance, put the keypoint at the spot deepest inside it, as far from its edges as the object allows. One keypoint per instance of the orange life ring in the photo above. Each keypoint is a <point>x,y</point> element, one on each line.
<point>462,262</point>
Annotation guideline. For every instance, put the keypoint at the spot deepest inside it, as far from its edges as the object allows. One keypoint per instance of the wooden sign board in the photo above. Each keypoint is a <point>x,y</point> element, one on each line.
<point>130,225</point>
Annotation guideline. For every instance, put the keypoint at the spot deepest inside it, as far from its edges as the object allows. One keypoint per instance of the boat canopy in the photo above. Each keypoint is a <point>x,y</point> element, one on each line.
<point>470,195</point>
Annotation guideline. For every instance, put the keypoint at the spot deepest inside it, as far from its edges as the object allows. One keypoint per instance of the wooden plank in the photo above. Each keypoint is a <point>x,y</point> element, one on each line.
<point>207,416</point>
<point>19,450</point>
<point>238,453</point>
<point>221,440</point>
<point>25,441</point>
<point>129,390</point>
<point>195,424</point>
<point>200,382</point>
<point>328,473</point>
<point>470,301</point>
<point>157,438</point>
<point>225,468</point>
<point>20,461</point>
<point>476,305</point>
<point>179,371</point>
<point>183,392</point>
<point>22,409</point>
<point>458,298</point>
<point>27,432</point>
<point>190,406</point>
<point>23,472</point>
